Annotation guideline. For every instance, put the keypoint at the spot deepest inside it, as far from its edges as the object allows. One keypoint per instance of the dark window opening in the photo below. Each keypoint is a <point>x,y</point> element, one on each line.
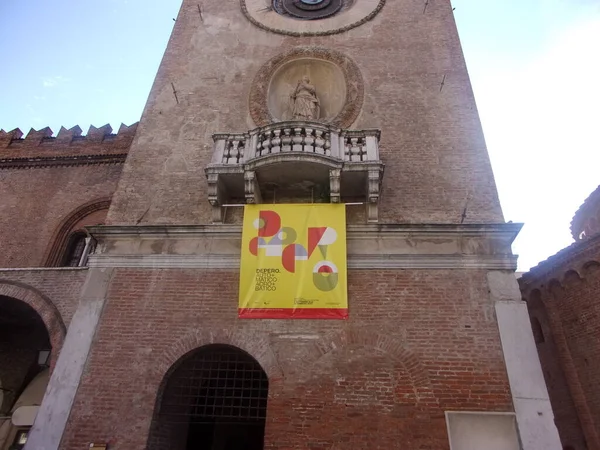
<point>215,399</point>
<point>538,333</point>
<point>75,249</point>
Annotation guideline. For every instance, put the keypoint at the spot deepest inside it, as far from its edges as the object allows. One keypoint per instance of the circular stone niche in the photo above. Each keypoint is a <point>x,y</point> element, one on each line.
<point>326,77</point>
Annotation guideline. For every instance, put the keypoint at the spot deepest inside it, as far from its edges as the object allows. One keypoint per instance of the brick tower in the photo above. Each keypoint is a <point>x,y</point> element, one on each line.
<point>362,102</point>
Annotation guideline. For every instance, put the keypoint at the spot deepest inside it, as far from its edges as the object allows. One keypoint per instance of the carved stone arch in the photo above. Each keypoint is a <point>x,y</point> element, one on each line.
<point>258,348</point>
<point>44,307</point>
<point>58,242</point>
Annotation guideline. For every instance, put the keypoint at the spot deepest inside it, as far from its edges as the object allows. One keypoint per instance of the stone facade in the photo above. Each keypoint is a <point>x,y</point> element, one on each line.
<point>437,352</point>
<point>562,297</point>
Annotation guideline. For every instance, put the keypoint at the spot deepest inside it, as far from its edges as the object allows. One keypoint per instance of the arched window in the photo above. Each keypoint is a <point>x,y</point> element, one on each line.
<point>538,333</point>
<point>215,397</point>
<point>75,248</point>
<point>90,214</point>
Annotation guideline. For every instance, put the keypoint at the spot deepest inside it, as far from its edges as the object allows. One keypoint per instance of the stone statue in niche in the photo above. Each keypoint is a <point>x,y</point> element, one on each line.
<point>304,102</point>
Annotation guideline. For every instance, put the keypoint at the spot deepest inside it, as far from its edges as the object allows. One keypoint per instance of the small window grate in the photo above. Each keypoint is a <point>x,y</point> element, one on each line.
<point>219,383</point>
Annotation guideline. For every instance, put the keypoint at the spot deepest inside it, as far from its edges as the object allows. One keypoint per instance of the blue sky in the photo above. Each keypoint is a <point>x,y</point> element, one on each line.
<point>534,66</point>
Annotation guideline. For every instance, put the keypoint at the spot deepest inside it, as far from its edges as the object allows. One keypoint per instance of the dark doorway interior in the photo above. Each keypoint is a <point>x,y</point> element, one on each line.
<point>215,399</point>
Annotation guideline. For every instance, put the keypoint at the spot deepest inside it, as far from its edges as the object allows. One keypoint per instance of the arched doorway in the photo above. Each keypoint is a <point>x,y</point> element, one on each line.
<point>25,350</point>
<point>214,398</point>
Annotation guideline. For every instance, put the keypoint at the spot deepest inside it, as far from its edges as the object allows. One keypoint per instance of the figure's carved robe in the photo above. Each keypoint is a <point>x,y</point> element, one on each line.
<point>306,103</point>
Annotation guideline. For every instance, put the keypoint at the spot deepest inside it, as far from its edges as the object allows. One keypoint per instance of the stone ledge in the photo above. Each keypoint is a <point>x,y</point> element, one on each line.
<point>364,261</point>
<point>369,246</point>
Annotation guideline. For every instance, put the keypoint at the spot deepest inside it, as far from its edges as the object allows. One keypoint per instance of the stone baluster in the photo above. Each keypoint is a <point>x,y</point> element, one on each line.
<point>327,147</point>
<point>266,143</point>
<point>241,151</point>
<point>309,141</point>
<point>354,149</point>
<point>227,151</point>
<point>232,152</point>
<point>276,141</point>
<point>347,146</point>
<point>297,140</point>
<point>286,140</point>
<point>362,149</point>
<point>319,142</point>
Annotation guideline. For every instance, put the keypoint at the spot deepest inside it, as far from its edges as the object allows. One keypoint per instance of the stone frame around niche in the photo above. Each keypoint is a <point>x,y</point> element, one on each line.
<point>355,89</point>
<point>362,12</point>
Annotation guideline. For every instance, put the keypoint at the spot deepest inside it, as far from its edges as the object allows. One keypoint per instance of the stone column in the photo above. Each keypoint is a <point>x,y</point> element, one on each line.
<point>51,420</point>
<point>535,418</point>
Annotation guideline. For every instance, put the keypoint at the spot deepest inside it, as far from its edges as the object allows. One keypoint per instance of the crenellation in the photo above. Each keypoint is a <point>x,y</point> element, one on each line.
<point>65,138</point>
<point>6,137</point>
<point>35,137</point>
<point>126,133</point>
<point>65,135</point>
<point>97,134</point>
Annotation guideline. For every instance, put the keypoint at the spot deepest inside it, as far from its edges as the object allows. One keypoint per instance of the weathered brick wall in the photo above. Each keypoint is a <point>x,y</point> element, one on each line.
<point>417,343</point>
<point>562,293</point>
<point>432,142</point>
<point>44,180</point>
<point>565,413</point>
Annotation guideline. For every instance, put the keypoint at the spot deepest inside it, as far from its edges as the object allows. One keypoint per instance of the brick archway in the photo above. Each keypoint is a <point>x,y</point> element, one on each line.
<point>259,349</point>
<point>46,310</point>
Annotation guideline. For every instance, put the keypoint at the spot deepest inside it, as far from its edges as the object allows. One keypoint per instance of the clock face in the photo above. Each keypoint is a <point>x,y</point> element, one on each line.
<point>308,9</point>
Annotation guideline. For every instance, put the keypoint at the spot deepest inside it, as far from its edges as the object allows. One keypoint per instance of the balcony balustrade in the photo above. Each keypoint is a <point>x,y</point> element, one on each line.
<point>294,161</point>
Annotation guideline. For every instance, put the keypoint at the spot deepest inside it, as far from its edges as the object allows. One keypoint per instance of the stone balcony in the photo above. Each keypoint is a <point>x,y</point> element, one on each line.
<point>290,162</point>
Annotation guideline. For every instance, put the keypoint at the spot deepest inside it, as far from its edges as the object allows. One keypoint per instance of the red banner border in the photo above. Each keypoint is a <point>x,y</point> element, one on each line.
<point>290,313</point>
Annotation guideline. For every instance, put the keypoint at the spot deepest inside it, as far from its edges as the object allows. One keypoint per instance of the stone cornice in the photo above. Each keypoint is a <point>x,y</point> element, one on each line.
<point>380,246</point>
<point>79,160</point>
<point>505,231</point>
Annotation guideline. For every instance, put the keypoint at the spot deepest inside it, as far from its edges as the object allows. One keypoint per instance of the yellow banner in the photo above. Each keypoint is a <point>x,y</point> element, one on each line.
<point>293,263</point>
